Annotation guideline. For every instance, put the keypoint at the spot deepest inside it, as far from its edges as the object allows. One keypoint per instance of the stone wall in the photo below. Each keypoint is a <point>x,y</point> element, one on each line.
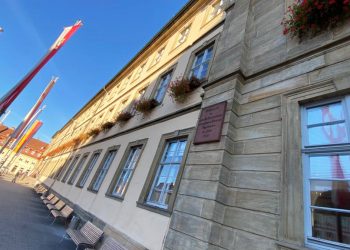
<point>245,192</point>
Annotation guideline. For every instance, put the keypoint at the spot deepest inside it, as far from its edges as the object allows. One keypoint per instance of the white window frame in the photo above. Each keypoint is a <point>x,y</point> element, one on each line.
<point>70,169</point>
<point>163,83</point>
<point>214,12</point>
<point>158,56</point>
<point>130,166</point>
<point>78,169</point>
<point>164,191</point>
<point>205,51</point>
<point>103,170</point>
<point>321,150</point>
<point>91,164</point>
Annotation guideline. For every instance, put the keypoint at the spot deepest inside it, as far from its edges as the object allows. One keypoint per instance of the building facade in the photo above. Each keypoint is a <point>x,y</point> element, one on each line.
<point>278,176</point>
<point>27,160</point>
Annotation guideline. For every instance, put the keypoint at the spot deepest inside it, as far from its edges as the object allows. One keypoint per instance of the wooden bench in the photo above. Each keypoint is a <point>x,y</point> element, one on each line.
<point>49,197</point>
<point>58,206</point>
<point>53,201</point>
<point>41,191</point>
<point>110,244</point>
<point>63,215</point>
<point>85,237</point>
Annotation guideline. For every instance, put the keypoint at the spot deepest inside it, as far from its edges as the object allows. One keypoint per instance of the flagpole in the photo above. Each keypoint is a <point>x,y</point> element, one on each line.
<point>29,117</point>
<point>26,138</point>
<point>15,141</point>
<point>8,141</point>
<point>13,93</point>
<point>5,116</point>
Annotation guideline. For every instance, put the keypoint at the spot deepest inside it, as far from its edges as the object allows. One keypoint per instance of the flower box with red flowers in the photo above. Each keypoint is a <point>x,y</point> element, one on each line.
<point>310,17</point>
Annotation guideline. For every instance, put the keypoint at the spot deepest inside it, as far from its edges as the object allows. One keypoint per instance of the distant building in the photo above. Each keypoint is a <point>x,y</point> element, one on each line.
<point>26,161</point>
<point>267,167</point>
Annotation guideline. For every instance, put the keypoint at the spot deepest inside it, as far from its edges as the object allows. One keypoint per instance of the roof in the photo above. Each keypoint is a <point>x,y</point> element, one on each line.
<point>35,148</point>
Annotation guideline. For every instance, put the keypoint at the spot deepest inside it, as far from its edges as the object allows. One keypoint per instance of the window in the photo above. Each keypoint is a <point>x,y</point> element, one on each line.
<point>139,71</point>
<point>163,86</point>
<point>85,175</point>
<point>77,169</point>
<point>69,170</point>
<point>102,170</point>
<point>326,166</point>
<point>216,9</point>
<point>159,192</point>
<point>126,169</point>
<point>201,63</point>
<point>62,169</point>
<point>183,36</point>
<point>158,56</point>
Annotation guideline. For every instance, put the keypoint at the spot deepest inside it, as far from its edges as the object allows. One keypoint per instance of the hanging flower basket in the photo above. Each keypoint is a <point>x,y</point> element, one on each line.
<point>124,116</point>
<point>309,17</point>
<point>107,126</point>
<point>181,87</point>
<point>94,132</point>
<point>145,106</point>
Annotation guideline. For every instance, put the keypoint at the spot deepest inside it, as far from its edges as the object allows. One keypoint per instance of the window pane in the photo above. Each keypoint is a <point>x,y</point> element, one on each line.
<point>164,182</point>
<point>89,169</point>
<point>103,171</point>
<point>332,226</point>
<point>127,171</point>
<point>77,170</point>
<point>332,194</point>
<point>330,167</point>
<point>329,134</point>
<point>201,63</point>
<point>163,86</point>
<point>328,113</point>
<point>71,166</point>
<point>209,53</point>
<point>204,71</point>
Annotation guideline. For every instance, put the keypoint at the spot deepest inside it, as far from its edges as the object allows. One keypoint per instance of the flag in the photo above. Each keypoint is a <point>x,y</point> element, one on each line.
<point>11,95</point>
<point>28,135</point>
<point>34,109</point>
<point>20,135</point>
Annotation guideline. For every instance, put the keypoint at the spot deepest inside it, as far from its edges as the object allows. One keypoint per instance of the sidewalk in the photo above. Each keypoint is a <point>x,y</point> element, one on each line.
<point>24,221</point>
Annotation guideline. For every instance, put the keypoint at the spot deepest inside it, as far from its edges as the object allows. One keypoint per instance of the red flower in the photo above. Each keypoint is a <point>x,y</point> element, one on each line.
<point>332,2</point>
<point>346,2</point>
<point>285,31</point>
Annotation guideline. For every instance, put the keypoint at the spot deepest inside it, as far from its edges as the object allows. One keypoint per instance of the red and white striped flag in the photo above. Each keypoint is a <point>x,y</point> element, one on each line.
<point>34,109</point>
<point>10,96</point>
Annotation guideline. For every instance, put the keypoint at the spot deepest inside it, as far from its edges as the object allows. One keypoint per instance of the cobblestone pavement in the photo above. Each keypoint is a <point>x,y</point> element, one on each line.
<point>24,221</point>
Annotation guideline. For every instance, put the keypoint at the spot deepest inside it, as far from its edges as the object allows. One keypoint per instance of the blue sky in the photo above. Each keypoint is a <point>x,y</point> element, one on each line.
<point>113,32</point>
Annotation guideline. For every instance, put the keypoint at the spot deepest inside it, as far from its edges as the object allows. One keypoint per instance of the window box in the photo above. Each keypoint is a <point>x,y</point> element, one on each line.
<point>309,17</point>
<point>180,88</point>
<point>145,106</point>
<point>124,117</point>
<point>107,126</point>
<point>94,132</point>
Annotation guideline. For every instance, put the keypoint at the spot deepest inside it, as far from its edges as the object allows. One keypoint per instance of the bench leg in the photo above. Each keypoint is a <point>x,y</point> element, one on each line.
<point>53,221</point>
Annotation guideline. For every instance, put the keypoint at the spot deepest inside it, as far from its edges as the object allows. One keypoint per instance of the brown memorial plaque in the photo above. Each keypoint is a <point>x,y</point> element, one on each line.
<point>210,123</point>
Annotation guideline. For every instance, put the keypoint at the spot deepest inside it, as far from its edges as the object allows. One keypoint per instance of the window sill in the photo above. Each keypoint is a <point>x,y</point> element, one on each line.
<point>92,191</point>
<point>113,197</point>
<point>154,209</point>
